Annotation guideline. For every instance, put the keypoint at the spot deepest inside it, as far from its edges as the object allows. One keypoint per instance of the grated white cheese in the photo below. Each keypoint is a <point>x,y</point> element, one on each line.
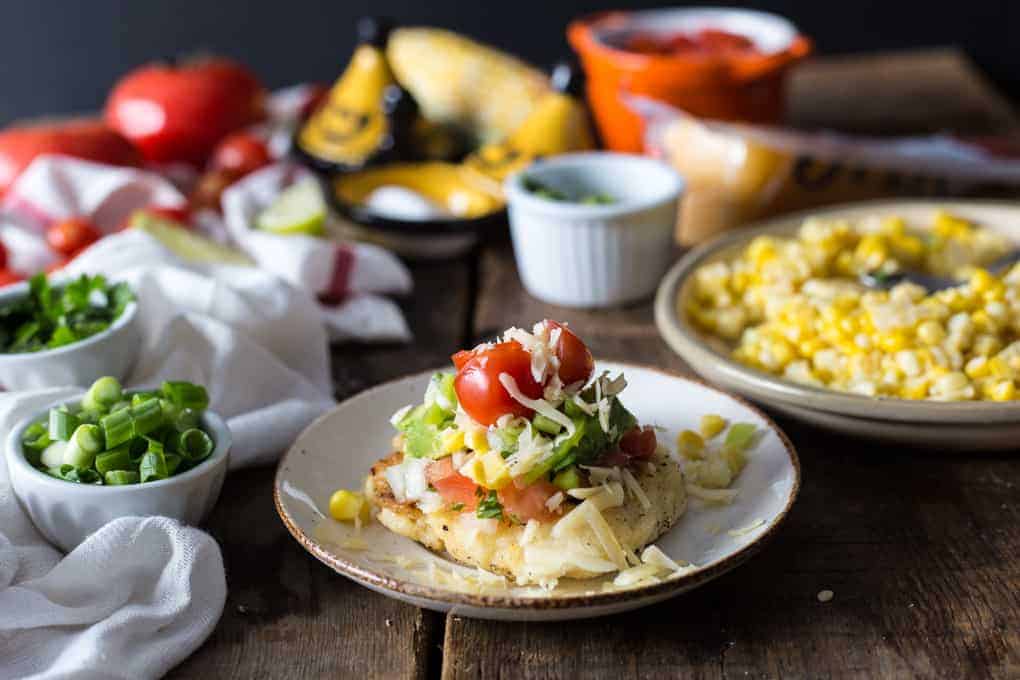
<point>532,449</point>
<point>407,479</point>
<point>635,488</point>
<point>554,501</point>
<point>722,496</point>
<point>654,555</point>
<point>638,574</point>
<point>399,415</point>
<point>583,492</point>
<point>589,409</point>
<point>746,530</point>
<point>530,529</point>
<point>538,405</point>
<point>601,474</point>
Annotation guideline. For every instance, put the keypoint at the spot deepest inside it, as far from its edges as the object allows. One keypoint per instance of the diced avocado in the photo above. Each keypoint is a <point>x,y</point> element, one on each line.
<point>567,479</point>
<point>547,425</point>
<point>422,440</point>
<point>442,384</point>
<point>740,436</point>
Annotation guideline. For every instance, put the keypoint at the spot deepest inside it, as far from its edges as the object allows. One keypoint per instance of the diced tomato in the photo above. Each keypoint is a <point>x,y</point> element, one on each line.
<point>70,236</point>
<point>615,457</point>
<point>180,215</point>
<point>479,390</point>
<point>576,362</point>
<point>529,502</point>
<point>7,277</point>
<point>639,443</point>
<point>451,485</point>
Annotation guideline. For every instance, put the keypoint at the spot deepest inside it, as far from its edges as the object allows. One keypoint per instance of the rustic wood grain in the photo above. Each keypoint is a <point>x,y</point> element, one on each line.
<point>288,615</point>
<point>898,93</point>
<point>917,547</point>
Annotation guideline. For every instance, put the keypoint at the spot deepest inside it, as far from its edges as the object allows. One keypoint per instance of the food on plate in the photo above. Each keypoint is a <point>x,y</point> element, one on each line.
<point>179,113</point>
<point>457,81</point>
<point>367,116</point>
<point>209,189</point>
<point>557,124</point>
<point>70,236</point>
<point>444,185</point>
<point>91,140</point>
<point>299,209</point>
<point>241,153</point>
<point>53,316</point>
<point>525,463</point>
<point>113,438</point>
<point>712,462</point>
<point>795,307</point>
<point>545,191</point>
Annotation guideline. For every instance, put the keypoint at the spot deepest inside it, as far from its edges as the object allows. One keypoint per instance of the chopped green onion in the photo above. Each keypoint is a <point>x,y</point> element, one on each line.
<point>118,427</point>
<point>76,457</point>
<point>153,466</point>
<point>194,444</point>
<point>120,477</point>
<point>187,419</point>
<point>186,395</point>
<point>567,479</point>
<point>139,398</point>
<point>147,416</point>
<point>62,424</point>
<point>116,459</point>
<point>740,436</point>
<point>34,441</point>
<point>103,394</point>
<point>88,438</point>
<point>173,461</point>
<point>547,425</point>
<point>120,406</point>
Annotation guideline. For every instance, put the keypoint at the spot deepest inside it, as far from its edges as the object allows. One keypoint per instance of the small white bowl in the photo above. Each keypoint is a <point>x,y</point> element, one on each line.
<point>110,352</point>
<point>67,513</point>
<point>579,255</point>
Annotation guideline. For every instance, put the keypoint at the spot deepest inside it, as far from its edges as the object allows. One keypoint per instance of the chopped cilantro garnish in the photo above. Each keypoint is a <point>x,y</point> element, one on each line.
<point>489,507</point>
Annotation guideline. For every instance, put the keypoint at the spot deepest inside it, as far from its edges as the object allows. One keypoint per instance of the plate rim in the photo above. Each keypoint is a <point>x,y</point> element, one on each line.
<point>396,587</point>
<point>684,340</point>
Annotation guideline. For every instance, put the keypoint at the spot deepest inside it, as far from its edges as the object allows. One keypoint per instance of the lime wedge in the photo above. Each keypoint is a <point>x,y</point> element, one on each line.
<point>186,244</point>
<point>299,209</point>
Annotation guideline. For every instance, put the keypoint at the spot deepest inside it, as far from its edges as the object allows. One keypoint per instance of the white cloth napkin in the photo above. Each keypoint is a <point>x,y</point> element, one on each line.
<point>141,594</point>
<point>351,278</point>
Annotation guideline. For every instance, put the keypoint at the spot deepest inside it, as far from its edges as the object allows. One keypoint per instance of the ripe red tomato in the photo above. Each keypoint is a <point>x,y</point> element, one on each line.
<point>241,152</point>
<point>529,502</point>
<point>180,113</point>
<point>88,139</point>
<point>639,442</point>
<point>7,277</point>
<point>576,362</point>
<point>451,485</point>
<point>477,383</point>
<point>3,257</point>
<point>69,236</point>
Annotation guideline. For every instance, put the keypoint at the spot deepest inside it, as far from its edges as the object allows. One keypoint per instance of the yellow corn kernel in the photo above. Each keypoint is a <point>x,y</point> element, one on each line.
<point>981,281</point>
<point>711,425</point>
<point>998,368</point>
<point>690,444</point>
<point>916,388</point>
<point>1004,391</point>
<point>735,458</point>
<point>452,440</point>
<point>931,332</point>
<point>488,470</point>
<point>892,341</point>
<point>346,506</point>
<point>477,441</point>
<point>977,368</point>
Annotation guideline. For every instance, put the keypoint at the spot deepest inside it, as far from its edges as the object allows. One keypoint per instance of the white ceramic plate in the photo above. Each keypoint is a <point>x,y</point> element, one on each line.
<point>337,450</point>
<point>962,426</point>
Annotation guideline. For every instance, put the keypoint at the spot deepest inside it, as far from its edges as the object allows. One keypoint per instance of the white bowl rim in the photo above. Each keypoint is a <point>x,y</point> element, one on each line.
<point>516,193</point>
<point>395,587</point>
<point>211,421</point>
<point>685,340</point>
<point>21,288</point>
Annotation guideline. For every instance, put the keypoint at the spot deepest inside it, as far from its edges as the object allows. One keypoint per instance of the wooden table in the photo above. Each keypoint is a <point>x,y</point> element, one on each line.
<point>919,547</point>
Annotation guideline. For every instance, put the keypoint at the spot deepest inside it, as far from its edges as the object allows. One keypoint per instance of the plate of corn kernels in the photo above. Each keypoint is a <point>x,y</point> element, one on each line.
<point>897,320</point>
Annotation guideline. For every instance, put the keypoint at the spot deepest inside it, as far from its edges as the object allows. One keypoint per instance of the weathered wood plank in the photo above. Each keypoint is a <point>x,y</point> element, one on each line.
<point>896,93</point>
<point>917,548</point>
<point>288,615</point>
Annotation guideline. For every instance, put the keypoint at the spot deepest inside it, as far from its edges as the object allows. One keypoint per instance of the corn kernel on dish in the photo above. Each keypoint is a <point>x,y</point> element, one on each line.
<point>794,307</point>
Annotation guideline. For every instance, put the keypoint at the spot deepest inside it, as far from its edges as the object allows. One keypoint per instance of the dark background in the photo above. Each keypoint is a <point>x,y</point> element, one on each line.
<point>61,56</point>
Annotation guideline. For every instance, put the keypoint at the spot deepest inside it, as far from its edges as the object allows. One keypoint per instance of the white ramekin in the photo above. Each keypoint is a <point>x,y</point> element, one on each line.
<point>578,255</point>
<point>111,352</point>
<point>66,513</point>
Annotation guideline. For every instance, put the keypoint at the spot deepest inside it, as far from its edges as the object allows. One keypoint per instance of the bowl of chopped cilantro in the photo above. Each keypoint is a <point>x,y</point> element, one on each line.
<point>66,331</point>
<point>84,462</point>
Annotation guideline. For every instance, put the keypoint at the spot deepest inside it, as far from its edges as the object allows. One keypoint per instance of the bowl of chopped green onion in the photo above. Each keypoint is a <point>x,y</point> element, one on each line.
<point>66,332</point>
<point>82,463</point>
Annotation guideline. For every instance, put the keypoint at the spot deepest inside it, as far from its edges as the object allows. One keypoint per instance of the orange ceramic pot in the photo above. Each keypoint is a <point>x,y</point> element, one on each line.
<point>736,85</point>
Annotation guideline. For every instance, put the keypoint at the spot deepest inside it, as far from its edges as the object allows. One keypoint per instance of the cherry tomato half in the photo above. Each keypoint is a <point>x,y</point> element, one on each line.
<point>576,362</point>
<point>242,153</point>
<point>70,236</point>
<point>477,383</point>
